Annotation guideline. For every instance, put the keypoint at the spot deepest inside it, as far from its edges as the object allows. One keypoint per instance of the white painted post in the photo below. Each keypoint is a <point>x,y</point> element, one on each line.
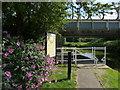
<point>96,58</point>
<point>105,54</point>
<point>73,54</point>
<point>62,54</point>
<point>94,54</point>
<point>75,57</point>
<point>95,61</point>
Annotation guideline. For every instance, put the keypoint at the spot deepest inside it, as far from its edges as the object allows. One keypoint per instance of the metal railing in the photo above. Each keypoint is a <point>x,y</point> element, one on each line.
<point>76,51</point>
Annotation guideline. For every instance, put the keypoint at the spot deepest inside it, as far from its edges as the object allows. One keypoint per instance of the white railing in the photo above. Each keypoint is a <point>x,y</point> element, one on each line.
<point>76,51</point>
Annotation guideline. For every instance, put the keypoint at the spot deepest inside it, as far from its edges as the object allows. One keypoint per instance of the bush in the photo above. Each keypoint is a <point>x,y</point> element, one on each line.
<point>25,65</point>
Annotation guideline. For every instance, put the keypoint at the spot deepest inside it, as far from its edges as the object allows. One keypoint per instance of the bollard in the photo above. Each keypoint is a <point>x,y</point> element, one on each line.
<point>69,65</point>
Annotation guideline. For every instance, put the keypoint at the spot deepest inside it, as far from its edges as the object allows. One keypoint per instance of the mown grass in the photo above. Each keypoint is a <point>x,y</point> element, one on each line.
<point>110,79</point>
<point>62,78</point>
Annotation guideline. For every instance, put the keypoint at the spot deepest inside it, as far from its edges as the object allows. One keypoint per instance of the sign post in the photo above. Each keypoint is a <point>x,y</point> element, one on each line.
<point>51,44</point>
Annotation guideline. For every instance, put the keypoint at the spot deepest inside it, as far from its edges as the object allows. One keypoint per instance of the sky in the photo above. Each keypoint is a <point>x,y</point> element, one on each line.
<point>107,1</point>
<point>107,16</point>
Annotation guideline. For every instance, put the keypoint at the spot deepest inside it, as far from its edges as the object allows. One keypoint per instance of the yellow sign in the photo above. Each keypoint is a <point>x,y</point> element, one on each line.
<point>51,44</point>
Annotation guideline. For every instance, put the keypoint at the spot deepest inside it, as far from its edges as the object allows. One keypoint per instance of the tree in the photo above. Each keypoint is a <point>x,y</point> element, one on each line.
<point>117,8</point>
<point>90,9</point>
<point>32,20</point>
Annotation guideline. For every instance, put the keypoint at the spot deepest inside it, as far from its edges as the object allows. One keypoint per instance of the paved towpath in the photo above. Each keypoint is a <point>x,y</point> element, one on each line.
<point>87,79</point>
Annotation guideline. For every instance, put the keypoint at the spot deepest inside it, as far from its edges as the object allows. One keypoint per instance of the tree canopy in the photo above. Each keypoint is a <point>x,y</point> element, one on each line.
<point>32,20</point>
<point>89,9</point>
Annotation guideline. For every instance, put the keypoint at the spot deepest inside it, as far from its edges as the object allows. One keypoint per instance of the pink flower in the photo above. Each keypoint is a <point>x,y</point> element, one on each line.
<point>43,47</point>
<point>37,48</point>
<point>42,79</point>
<point>29,89</point>
<point>50,67</point>
<point>32,60</point>
<point>8,74</point>
<point>45,59</point>
<point>47,56</point>
<point>50,82</point>
<point>19,86</point>
<point>35,75</point>
<point>27,83</point>
<point>4,65</point>
<point>43,69</point>
<point>39,84</point>
<point>18,43</point>
<point>5,32</point>
<point>29,74</point>
<point>30,78</point>
<point>51,59</point>
<point>41,74</point>
<point>22,45</point>
<point>34,44</point>
<point>24,69</point>
<point>26,58</point>
<point>32,57</point>
<point>35,86</point>
<point>41,56</point>
<point>11,51</point>
<point>47,79</point>
<point>46,74</point>
<point>54,69</point>
<point>33,66</point>
<point>56,80</point>
<point>6,54</point>
<point>31,71</point>
<point>60,73</point>
<point>8,36</point>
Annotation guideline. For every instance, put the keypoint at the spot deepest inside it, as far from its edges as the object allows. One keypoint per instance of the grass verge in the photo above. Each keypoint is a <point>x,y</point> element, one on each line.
<point>61,77</point>
<point>110,79</point>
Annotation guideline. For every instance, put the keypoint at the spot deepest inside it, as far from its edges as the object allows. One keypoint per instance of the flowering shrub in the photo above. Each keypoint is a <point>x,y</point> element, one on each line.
<point>25,65</point>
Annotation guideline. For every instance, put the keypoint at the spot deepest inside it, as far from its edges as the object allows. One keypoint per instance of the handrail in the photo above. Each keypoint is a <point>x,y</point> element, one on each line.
<point>74,48</point>
<point>76,52</point>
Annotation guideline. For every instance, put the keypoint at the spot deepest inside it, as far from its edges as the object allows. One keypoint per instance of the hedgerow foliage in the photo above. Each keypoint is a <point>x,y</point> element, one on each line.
<point>25,65</point>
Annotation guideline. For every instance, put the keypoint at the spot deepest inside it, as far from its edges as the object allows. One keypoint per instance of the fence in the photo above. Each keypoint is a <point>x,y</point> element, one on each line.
<point>76,51</point>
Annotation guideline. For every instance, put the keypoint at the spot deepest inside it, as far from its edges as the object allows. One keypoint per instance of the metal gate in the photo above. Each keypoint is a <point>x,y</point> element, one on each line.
<point>61,53</point>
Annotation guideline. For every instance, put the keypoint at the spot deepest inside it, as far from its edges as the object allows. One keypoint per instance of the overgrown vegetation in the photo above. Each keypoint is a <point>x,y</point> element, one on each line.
<point>111,44</point>
<point>110,79</point>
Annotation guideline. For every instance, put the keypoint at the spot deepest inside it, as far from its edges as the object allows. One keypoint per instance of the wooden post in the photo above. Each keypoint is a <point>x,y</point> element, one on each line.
<point>69,65</point>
